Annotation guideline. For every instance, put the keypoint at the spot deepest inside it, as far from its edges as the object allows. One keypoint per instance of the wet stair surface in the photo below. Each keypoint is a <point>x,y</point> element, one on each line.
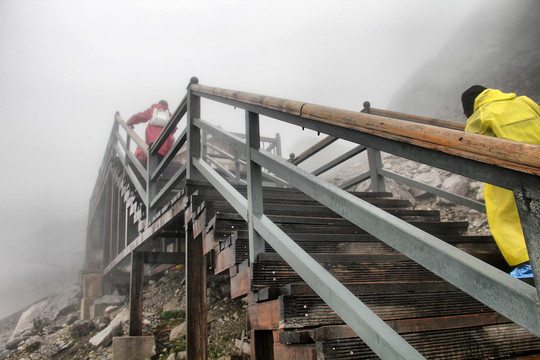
<point>289,321</point>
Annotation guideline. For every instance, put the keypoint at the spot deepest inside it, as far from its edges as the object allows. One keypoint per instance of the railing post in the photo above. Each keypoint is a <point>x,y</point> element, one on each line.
<point>254,187</point>
<point>278,145</point>
<point>204,142</point>
<point>151,185</point>
<point>237,165</point>
<point>193,133</point>
<point>128,145</point>
<point>529,214</point>
<point>375,164</point>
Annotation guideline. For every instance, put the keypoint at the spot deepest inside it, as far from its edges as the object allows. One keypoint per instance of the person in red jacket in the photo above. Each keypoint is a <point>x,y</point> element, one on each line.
<point>153,129</point>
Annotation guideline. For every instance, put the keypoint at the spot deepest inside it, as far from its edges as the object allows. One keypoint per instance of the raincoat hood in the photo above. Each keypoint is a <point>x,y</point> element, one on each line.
<point>491,95</point>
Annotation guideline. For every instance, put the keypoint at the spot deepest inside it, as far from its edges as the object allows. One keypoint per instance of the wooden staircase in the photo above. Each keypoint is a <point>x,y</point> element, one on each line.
<point>287,320</point>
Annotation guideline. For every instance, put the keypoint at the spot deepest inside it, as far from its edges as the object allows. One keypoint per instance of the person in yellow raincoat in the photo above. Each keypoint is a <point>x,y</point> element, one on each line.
<point>504,115</point>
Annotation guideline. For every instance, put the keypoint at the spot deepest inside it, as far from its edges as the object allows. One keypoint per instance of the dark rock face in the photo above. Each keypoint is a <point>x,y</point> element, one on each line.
<point>497,47</point>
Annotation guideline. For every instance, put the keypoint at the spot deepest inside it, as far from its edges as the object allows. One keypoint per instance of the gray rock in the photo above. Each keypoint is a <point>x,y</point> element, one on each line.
<point>178,355</point>
<point>175,304</point>
<point>14,343</point>
<point>178,332</point>
<point>111,300</point>
<point>32,344</point>
<point>101,322</point>
<point>431,177</point>
<point>104,337</point>
<point>81,328</point>
<point>399,192</point>
<point>45,311</point>
<point>5,354</point>
<point>456,184</point>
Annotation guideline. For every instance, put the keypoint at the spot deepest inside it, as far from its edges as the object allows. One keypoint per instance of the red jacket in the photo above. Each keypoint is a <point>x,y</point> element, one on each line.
<point>152,131</point>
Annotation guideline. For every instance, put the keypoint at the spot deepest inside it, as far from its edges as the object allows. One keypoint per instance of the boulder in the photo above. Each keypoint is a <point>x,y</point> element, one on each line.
<point>81,328</point>
<point>105,336</point>
<point>45,311</point>
<point>111,300</point>
<point>99,308</point>
<point>455,184</point>
<point>430,177</point>
<point>178,355</point>
<point>178,332</point>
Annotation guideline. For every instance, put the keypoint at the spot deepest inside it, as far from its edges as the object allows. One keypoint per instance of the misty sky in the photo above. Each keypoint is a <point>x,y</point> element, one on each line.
<point>67,66</point>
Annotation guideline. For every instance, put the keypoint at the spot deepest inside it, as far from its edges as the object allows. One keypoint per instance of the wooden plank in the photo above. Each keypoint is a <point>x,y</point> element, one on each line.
<point>241,283</point>
<point>301,336</point>
<point>208,242</point>
<point>407,312</point>
<point>224,260</point>
<point>397,286</point>
<point>269,293</point>
<point>227,223</point>
<point>264,316</point>
<point>199,224</point>
<point>485,342</point>
<point>295,352</point>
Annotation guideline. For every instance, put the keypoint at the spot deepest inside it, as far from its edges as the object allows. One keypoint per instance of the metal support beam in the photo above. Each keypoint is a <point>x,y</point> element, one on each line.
<point>254,187</point>
<point>339,160</point>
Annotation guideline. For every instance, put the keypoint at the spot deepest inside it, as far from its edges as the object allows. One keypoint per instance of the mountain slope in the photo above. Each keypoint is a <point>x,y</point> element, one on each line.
<point>497,47</point>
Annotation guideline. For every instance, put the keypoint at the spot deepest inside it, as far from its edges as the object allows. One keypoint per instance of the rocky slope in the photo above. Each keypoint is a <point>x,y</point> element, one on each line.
<point>59,334</point>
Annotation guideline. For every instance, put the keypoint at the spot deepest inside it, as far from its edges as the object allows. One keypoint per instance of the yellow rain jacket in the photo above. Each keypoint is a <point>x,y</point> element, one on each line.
<point>510,117</point>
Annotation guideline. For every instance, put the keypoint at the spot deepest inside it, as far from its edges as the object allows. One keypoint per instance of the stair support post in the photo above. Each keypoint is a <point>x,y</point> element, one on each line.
<point>375,164</point>
<point>196,309</point>
<point>254,186</point>
<point>136,293</point>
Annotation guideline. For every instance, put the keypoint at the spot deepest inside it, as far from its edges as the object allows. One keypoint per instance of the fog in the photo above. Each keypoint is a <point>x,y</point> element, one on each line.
<point>66,67</point>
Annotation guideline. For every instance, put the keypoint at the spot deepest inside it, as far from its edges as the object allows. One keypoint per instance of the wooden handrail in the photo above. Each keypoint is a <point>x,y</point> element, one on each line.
<point>509,154</point>
<point>413,118</point>
<point>170,128</point>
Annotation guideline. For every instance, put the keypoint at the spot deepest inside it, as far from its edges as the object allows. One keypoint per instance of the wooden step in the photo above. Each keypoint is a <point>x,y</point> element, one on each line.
<point>483,342</point>
<point>316,210</point>
<point>270,271</point>
<point>226,224</point>
<point>235,248</point>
